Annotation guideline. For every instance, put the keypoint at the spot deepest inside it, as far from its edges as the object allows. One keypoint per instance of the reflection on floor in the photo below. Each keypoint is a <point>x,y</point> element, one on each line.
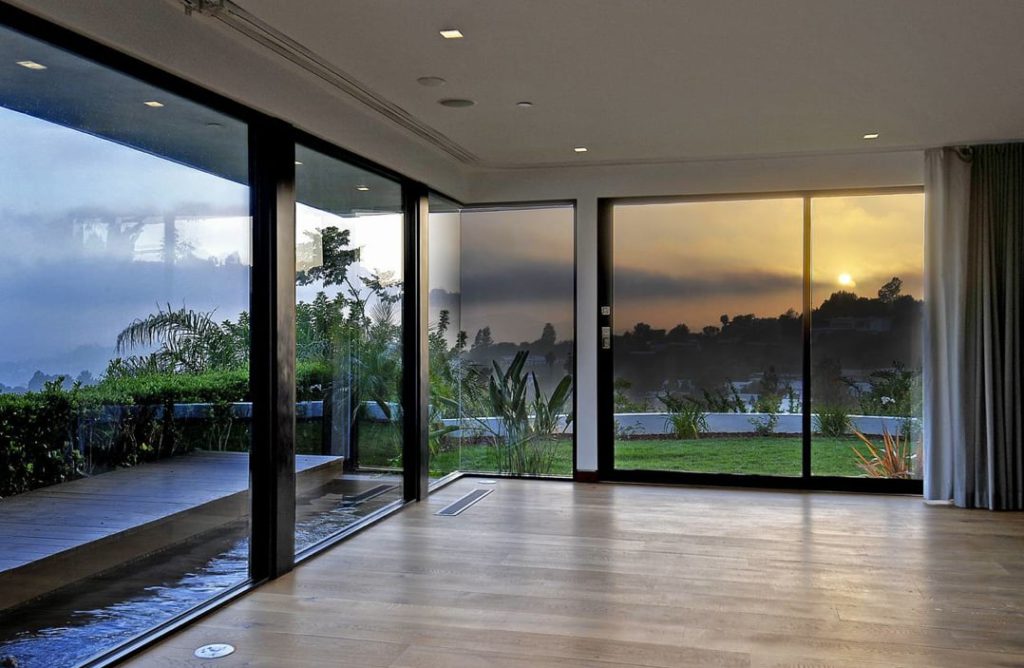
<point>60,534</point>
<point>102,610</point>
<point>573,575</point>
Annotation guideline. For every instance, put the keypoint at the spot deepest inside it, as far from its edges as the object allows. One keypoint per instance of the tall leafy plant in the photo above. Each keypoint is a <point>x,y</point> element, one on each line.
<point>527,422</point>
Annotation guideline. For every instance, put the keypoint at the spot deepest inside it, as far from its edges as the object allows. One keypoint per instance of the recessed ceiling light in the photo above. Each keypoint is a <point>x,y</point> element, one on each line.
<point>580,149</point>
<point>525,104</point>
<point>362,188</point>
<point>31,65</point>
<point>431,82</point>
<point>457,102</point>
<point>452,33</point>
<point>871,135</point>
<point>153,103</point>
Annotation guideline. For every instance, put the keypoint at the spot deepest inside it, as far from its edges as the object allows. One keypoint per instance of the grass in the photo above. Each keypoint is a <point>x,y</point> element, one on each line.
<point>380,446</point>
<point>770,455</point>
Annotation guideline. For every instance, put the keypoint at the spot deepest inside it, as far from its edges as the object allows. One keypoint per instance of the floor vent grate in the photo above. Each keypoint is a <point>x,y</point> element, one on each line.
<point>461,504</point>
<point>363,497</point>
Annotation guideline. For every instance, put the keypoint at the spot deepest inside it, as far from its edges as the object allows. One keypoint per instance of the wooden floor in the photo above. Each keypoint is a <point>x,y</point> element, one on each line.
<point>574,575</point>
<point>62,533</point>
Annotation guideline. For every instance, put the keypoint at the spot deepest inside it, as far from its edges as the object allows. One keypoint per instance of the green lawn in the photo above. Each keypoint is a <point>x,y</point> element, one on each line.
<point>740,454</point>
<point>380,446</point>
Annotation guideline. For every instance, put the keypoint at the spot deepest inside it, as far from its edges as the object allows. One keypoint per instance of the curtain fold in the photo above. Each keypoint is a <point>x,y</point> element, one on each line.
<point>994,466</point>
<point>947,195</point>
<point>974,245</point>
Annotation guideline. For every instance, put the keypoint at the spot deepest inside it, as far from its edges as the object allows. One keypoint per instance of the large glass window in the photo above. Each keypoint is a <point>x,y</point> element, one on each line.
<point>867,253</point>
<point>349,225</point>
<point>501,346</point>
<point>707,336</point>
<point>124,382</point>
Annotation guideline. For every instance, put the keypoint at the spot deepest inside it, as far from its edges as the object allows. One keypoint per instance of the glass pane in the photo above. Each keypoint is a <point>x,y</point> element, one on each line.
<point>348,343</point>
<point>124,414</point>
<point>516,326</point>
<point>706,336</point>
<point>447,339</point>
<point>868,259</point>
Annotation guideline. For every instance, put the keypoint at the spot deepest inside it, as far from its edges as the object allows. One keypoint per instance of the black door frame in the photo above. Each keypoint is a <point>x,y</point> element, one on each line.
<point>605,359</point>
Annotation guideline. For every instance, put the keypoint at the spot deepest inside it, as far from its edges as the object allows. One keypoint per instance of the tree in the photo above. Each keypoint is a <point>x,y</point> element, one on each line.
<point>888,293</point>
<point>724,319</point>
<point>483,338</point>
<point>324,257</point>
<point>547,336</point>
<point>679,333</point>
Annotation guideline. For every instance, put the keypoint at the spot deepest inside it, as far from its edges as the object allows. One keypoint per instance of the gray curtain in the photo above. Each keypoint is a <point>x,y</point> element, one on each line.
<point>947,187</point>
<point>973,395</point>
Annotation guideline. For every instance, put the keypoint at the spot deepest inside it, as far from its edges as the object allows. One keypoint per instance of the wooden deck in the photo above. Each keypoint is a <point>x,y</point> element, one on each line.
<point>57,535</point>
<point>580,575</point>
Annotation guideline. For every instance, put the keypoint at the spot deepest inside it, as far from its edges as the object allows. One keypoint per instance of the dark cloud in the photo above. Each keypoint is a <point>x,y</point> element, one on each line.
<point>55,307</point>
<point>528,280</point>
<point>632,283</point>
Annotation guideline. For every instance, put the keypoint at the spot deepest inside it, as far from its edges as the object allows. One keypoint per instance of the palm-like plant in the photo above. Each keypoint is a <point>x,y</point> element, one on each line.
<point>892,460</point>
<point>188,341</point>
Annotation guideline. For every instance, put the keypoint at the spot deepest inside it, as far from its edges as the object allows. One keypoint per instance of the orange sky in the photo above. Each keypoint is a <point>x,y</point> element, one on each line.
<point>692,262</point>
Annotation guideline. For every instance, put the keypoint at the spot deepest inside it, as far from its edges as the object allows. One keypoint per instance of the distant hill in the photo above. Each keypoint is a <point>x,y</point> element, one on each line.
<point>93,359</point>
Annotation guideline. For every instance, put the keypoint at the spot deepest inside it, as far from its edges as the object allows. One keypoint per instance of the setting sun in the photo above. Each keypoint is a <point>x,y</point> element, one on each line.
<point>846,280</point>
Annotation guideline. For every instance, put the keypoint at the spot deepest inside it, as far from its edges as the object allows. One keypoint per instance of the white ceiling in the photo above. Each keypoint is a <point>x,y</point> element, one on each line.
<point>664,80</point>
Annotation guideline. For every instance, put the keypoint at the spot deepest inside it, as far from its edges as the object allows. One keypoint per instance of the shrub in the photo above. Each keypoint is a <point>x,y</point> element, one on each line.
<point>685,416</point>
<point>832,420</point>
<point>37,438</point>
<point>767,403</point>
<point>764,426</point>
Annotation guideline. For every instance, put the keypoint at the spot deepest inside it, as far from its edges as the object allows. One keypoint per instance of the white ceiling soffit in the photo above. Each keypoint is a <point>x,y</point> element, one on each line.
<point>654,81</point>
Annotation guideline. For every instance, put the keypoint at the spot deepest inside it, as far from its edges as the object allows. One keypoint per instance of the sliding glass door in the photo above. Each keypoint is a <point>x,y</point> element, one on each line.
<point>501,342</point>
<point>348,373</point>
<point>706,336</point>
<point>866,334</point>
<point>763,337</point>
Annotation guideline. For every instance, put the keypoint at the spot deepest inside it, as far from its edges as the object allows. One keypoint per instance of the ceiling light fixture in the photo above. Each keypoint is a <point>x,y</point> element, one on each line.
<point>456,102</point>
<point>431,82</point>
<point>452,33</point>
<point>298,162</point>
<point>525,104</point>
<point>154,104</point>
<point>871,135</point>
<point>362,189</point>
<point>31,65</point>
<point>581,149</point>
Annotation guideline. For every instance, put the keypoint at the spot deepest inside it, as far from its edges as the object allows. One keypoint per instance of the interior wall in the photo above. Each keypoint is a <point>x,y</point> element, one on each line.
<point>200,49</point>
<point>587,184</point>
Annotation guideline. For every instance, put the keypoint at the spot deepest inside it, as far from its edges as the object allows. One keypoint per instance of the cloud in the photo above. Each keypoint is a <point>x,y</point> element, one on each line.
<point>634,283</point>
<point>55,307</point>
<point>526,280</point>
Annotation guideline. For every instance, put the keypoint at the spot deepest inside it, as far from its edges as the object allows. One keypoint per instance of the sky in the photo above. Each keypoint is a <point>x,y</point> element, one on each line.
<point>515,272</point>
<point>692,262</point>
<point>71,277</point>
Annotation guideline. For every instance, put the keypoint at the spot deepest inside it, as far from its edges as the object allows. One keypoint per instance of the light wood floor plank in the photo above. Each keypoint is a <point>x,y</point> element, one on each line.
<point>619,576</point>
